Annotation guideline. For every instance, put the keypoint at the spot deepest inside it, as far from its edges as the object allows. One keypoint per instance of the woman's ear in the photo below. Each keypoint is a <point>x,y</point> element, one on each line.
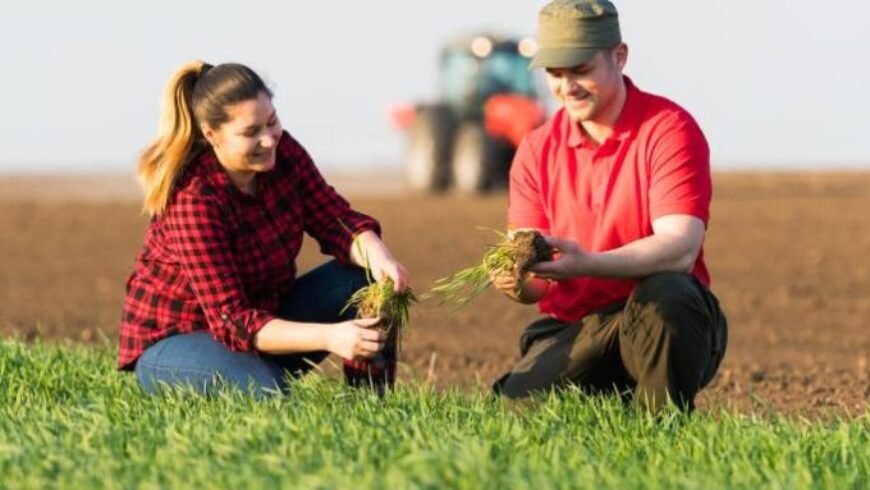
<point>209,133</point>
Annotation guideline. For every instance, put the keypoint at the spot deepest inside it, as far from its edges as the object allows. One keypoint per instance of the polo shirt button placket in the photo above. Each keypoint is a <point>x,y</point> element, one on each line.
<point>602,159</point>
<point>599,178</point>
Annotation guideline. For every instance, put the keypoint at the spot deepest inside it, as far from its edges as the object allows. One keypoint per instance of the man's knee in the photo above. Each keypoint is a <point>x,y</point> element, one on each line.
<point>505,387</point>
<point>666,293</point>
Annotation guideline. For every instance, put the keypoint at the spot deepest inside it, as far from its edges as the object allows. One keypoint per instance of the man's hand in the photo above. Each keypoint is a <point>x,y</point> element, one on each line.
<point>673,247</point>
<point>506,282</point>
<point>527,289</point>
<point>570,261</point>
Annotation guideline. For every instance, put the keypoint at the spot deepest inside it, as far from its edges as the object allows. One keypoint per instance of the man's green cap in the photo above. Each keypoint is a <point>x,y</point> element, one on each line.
<point>570,32</point>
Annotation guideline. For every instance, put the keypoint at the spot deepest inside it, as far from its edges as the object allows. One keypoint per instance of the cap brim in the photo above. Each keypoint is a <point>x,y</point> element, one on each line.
<point>562,57</point>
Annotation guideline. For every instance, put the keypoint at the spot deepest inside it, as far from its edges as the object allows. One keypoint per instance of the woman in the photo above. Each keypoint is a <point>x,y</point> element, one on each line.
<point>214,294</point>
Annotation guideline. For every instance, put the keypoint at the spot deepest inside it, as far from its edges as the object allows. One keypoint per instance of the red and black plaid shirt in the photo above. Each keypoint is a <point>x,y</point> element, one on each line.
<point>219,259</point>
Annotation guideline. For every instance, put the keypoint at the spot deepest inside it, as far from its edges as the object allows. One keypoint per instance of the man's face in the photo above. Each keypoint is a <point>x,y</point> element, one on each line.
<point>588,90</point>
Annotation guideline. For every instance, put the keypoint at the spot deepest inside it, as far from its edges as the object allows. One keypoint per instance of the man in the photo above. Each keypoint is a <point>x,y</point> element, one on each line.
<point>619,182</point>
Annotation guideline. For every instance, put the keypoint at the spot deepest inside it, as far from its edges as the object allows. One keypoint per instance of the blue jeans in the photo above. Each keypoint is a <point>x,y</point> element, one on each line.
<point>198,361</point>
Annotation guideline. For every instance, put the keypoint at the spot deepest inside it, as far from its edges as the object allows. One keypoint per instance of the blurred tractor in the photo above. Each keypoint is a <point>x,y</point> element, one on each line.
<point>489,101</point>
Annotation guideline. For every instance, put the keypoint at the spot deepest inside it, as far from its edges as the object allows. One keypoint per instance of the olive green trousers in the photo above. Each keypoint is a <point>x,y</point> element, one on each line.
<point>665,342</point>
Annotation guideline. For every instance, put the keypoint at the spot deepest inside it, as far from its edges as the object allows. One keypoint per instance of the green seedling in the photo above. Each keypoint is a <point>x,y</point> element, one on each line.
<point>515,254</point>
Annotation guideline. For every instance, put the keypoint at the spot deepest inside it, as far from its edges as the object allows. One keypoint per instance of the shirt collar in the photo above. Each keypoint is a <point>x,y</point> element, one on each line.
<point>214,172</point>
<point>212,168</point>
<point>576,137</point>
<point>625,124</point>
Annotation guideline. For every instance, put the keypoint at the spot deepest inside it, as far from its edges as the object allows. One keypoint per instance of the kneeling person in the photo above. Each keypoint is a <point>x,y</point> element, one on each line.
<point>214,294</point>
<point>619,181</point>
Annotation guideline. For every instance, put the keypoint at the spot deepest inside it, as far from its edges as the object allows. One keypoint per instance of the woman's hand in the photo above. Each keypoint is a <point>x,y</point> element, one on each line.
<point>369,251</point>
<point>354,340</point>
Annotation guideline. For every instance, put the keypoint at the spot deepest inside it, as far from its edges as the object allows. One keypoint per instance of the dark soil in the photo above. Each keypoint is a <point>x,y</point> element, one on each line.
<point>788,256</point>
<point>529,249</point>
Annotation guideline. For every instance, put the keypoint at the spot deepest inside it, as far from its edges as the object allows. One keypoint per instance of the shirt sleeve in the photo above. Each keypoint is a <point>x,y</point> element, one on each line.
<point>680,180</point>
<point>525,199</point>
<point>328,217</point>
<point>199,233</point>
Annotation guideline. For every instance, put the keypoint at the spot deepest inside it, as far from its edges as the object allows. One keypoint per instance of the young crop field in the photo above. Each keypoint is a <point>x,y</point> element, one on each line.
<point>69,420</point>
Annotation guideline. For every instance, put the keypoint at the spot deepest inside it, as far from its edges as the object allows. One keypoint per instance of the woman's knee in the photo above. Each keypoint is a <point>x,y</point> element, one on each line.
<point>336,272</point>
<point>352,279</point>
<point>321,295</point>
<point>259,383</point>
<point>199,363</point>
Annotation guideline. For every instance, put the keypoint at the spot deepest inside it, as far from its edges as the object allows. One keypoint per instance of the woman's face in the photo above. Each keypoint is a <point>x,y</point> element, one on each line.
<point>247,142</point>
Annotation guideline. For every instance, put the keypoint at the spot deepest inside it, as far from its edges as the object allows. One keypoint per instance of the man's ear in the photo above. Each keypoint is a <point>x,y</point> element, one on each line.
<point>620,52</point>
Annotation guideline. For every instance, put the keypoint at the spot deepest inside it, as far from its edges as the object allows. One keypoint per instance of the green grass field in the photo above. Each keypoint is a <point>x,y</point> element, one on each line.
<point>67,419</point>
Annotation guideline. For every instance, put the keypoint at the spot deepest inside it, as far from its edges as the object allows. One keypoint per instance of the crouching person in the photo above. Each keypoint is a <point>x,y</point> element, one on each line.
<point>214,294</point>
<point>620,181</point>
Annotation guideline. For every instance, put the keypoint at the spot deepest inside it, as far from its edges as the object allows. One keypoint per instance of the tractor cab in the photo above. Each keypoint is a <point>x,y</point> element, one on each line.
<point>488,101</point>
<point>475,69</point>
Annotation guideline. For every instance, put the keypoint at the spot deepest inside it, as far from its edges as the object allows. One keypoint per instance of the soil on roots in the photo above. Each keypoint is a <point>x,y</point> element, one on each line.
<point>529,248</point>
<point>379,300</point>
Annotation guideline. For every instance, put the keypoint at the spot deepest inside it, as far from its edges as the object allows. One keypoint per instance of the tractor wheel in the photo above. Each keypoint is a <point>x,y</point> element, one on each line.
<point>428,159</point>
<point>475,160</point>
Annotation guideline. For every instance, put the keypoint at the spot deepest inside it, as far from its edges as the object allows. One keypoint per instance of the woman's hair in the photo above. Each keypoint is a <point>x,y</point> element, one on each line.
<point>197,93</point>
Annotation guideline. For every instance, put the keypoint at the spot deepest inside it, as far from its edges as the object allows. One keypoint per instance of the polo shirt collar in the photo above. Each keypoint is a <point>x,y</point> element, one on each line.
<point>576,137</point>
<point>625,124</point>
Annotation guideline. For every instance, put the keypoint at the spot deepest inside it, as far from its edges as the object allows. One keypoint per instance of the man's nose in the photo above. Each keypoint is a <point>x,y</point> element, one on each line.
<point>569,85</point>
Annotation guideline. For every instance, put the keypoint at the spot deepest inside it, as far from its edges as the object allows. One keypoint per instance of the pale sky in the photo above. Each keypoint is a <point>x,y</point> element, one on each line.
<point>773,83</point>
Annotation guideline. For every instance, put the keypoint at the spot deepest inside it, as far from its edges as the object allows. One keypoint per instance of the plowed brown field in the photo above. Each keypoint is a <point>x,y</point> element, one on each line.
<point>788,254</point>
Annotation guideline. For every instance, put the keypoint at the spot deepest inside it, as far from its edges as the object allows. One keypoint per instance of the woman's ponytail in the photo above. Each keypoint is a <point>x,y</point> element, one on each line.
<point>197,94</point>
<point>162,161</point>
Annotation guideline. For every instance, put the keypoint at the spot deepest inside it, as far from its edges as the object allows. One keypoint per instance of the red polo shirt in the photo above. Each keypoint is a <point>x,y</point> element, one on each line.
<point>656,163</point>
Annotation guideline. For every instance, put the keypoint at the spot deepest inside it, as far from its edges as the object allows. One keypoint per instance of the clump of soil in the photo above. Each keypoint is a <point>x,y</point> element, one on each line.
<point>529,248</point>
<point>379,300</point>
<point>514,254</point>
